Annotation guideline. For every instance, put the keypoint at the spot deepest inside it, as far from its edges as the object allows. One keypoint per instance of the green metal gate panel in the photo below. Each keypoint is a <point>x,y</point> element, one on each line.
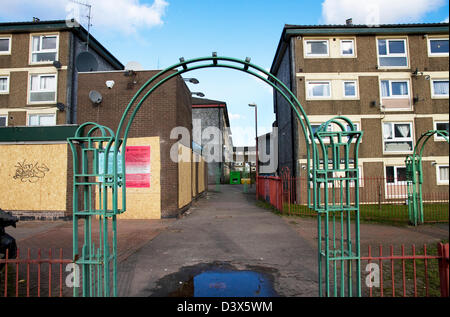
<point>414,176</point>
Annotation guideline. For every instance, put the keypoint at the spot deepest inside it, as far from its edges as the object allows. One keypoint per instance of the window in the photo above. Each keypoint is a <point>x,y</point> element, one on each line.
<point>357,128</point>
<point>4,84</point>
<point>41,119</point>
<point>318,89</point>
<point>395,95</point>
<point>2,121</point>
<point>316,48</point>
<point>438,46</point>
<point>350,89</point>
<point>442,174</point>
<point>439,88</point>
<point>392,53</point>
<point>397,137</point>
<point>395,174</point>
<point>42,88</point>
<point>44,48</point>
<point>396,185</point>
<point>394,88</point>
<point>5,45</point>
<point>440,125</point>
<point>347,48</point>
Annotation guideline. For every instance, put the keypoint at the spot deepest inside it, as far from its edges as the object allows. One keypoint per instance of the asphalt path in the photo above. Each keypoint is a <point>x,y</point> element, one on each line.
<point>226,228</point>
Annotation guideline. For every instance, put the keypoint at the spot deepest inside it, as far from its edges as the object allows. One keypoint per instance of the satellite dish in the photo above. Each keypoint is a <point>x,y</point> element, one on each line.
<point>86,62</point>
<point>95,97</point>
<point>133,66</point>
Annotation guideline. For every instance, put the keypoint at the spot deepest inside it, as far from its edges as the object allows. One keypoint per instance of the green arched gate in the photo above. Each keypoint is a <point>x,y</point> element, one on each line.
<point>332,162</point>
<point>414,176</point>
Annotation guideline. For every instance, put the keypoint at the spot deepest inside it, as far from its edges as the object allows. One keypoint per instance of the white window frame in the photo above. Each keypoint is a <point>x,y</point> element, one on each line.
<point>390,89</point>
<point>433,95</point>
<point>309,82</point>
<point>29,114</point>
<point>305,42</point>
<point>6,118</point>
<point>431,54</point>
<point>439,181</point>
<point>9,37</point>
<point>29,88</point>
<point>387,39</point>
<point>399,192</point>
<point>356,89</point>
<point>438,137</point>
<point>5,92</point>
<point>353,47</point>
<point>394,139</point>
<point>41,35</point>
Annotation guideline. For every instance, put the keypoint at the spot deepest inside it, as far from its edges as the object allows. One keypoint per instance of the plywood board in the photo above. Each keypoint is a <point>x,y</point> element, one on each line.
<point>33,177</point>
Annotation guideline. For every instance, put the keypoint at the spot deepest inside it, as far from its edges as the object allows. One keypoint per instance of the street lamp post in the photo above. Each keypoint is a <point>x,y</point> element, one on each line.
<point>256,139</point>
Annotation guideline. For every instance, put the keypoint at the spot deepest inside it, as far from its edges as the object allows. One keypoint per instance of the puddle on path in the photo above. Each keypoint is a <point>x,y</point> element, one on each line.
<point>217,280</point>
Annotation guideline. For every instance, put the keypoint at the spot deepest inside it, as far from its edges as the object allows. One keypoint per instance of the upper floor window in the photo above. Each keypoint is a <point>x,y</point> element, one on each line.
<point>42,88</point>
<point>438,46</point>
<point>316,48</point>
<point>397,137</point>
<point>318,89</point>
<point>44,48</point>
<point>347,48</point>
<point>41,119</point>
<point>350,89</point>
<point>440,125</point>
<point>4,84</point>
<point>395,95</point>
<point>392,53</point>
<point>439,88</point>
<point>5,45</point>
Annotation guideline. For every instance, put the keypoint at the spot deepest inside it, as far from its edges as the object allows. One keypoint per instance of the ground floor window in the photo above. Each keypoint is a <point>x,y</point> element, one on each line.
<point>442,174</point>
<point>41,119</point>
<point>2,121</point>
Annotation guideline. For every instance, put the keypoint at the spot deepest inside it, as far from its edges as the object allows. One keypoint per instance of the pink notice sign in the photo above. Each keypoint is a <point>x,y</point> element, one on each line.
<point>137,166</point>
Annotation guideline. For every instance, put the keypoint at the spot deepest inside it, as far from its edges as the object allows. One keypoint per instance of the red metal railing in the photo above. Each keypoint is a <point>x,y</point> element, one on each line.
<point>269,189</point>
<point>419,274</point>
<point>32,272</point>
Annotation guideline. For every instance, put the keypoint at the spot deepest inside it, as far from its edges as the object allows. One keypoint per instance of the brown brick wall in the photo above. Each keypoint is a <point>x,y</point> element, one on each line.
<point>169,106</point>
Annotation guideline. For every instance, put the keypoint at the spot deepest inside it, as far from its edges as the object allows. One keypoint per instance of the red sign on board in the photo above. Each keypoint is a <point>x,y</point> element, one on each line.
<point>137,166</point>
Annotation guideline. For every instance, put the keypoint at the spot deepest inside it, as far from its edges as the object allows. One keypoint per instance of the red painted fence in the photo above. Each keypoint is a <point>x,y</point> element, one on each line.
<point>417,274</point>
<point>33,276</point>
<point>269,190</point>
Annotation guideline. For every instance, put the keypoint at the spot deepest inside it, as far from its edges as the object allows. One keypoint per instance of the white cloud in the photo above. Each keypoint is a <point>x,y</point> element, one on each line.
<point>126,16</point>
<point>235,116</point>
<point>445,21</point>
<point>374,12</point>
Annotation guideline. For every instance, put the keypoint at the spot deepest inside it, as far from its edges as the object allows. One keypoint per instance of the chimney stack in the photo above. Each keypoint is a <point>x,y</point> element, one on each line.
<point>349,22</point>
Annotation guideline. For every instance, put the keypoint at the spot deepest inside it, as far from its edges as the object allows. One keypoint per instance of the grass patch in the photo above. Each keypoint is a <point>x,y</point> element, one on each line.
<point>389,214</point>
<point>427,282</point>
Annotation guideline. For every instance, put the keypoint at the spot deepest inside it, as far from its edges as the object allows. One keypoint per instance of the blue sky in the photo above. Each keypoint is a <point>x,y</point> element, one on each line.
<point>156,33</point>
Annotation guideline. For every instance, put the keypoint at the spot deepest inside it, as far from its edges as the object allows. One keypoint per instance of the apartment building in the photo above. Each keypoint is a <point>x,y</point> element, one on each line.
<point>39,65</point>
<point>392,81</point>
<point>211,131</point>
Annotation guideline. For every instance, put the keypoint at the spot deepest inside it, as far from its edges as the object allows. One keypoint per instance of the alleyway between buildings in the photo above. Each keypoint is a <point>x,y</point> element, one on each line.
<point>224,228</point>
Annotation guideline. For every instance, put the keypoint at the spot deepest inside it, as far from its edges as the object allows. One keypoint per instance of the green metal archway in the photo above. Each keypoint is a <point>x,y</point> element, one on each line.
<point>94,143</point>
<point>414,176</point>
